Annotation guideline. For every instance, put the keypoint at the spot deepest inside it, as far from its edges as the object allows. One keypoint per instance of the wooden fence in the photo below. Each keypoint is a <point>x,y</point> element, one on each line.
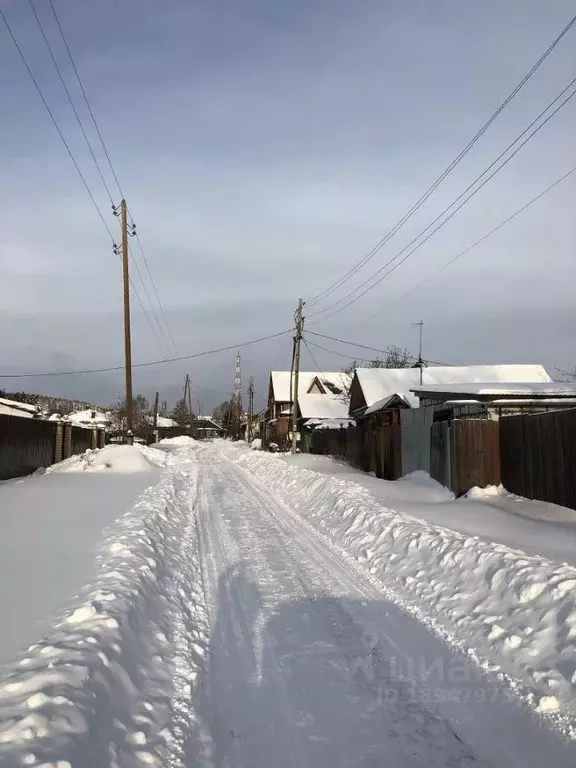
<point>538,456</point>
<point>474,454</point>
<point>375,450</point>
<point>462,453</point>
<point>532,455</point>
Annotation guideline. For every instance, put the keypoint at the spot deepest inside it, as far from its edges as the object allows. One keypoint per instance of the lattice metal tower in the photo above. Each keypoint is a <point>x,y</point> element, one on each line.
<point>238,385</point>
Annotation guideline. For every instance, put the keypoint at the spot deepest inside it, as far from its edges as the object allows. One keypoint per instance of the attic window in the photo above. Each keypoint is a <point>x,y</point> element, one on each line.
<point>93,414</point>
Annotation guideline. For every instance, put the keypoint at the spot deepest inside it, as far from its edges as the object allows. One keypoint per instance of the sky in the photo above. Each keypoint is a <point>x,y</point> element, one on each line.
<point>264,148</point>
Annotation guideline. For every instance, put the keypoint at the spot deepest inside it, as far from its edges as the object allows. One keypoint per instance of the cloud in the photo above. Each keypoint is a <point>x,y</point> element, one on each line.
<point>264,149</point>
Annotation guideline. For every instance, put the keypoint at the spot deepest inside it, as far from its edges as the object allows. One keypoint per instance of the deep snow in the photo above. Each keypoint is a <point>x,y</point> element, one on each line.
<point>111,682</point>
<point>50,526</point>
<point>246,612</point>
<point>535,527</point>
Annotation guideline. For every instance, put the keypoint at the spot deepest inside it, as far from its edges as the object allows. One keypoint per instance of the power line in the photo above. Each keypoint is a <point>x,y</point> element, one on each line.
<point>153,283</point>
<point>114,174</point>
<point>86,99</point>
<point>312,356</point>
<point>71,155</point>
<point>70,100</point>
<point>334,352</point>
<point>92,153</point>
<point>460,196</point>
<point>154,314</point>
<point>334,286</point>
<point>55,123</point>
<point>364,346</point>
<point>447,219</point>
<point>470,247</point>
<point>147,364</point>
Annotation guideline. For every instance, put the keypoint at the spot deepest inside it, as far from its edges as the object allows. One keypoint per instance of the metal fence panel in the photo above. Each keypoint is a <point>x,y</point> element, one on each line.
<point>25,445</point>
<point>440,452</point>
<point>81,440</point>
<point>416,423</point>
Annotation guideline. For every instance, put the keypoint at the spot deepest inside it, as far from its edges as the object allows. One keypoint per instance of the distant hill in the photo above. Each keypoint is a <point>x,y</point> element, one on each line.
<point>48,403</point>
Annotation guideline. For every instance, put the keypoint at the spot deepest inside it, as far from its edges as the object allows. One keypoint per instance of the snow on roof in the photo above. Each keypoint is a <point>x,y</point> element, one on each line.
<point>380,383</point>
<point>328,379</point>
<point>8,410</point>
<point>163,421</point>
<point>18,406</point>
<point>322,407</point>
<point>542,389</point>
<point>335,423</point>
<point>85,417</point>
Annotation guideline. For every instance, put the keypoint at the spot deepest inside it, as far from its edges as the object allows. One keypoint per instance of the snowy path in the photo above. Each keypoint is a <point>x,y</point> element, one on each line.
<point>310,665</point>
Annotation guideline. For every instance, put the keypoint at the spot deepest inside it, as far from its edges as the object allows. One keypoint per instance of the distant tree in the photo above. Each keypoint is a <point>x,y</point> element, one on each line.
<point>22,397</point>
<point>181,412</point>
<point>140,403</point>
<point>139,413</point>
<point>396,357</point>
<point>221,414</point>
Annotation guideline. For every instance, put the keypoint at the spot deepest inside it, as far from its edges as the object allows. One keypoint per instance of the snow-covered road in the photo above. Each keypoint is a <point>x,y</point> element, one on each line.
<point>309,664</point>
<point>248,613</point>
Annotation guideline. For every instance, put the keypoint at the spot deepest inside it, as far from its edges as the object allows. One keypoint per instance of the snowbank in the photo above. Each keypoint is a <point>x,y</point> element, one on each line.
<point>114,458</point>
<point>180,440</point>
<point>513,609</point>
<point>111,684</point>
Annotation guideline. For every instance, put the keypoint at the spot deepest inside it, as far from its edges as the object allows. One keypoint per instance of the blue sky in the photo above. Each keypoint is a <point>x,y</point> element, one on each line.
<point>264,147</point>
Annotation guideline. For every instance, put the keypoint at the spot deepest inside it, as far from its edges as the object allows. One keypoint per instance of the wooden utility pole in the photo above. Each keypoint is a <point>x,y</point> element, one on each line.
<point>188,386</point>
<point>299,319</point>
<point>250,410</point>
<point>156,411</point>
<point>127,333</point>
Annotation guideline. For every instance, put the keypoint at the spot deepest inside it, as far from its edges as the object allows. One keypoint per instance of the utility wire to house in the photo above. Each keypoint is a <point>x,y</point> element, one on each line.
<point>335,352</point>
<point>146,364</point>
<point>384,351</point>
<point>370,255</point>
<point>377,277</point>
<point>467,250</point>
<point>316,363</point>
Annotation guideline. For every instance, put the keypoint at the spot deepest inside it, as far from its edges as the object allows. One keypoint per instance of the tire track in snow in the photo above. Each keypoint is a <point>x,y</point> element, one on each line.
<point>307,702</point>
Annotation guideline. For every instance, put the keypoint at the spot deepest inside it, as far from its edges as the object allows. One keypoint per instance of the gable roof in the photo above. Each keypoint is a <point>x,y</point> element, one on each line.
<point>329,380</point>
<point>378,384</point>
<point>322,407</point>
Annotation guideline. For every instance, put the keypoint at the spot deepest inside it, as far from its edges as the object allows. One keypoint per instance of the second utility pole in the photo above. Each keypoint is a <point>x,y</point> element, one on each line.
<point>127,336</point>
<point>299,319</point>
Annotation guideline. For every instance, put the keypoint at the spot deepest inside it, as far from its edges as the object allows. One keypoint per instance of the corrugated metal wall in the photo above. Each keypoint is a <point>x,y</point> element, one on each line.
<point>416,425</point>
<point>25,445</point>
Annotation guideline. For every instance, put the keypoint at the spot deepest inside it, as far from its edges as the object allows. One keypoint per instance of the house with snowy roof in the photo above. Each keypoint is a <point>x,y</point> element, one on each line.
<point>326,393</point>
<point>385,391</point>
